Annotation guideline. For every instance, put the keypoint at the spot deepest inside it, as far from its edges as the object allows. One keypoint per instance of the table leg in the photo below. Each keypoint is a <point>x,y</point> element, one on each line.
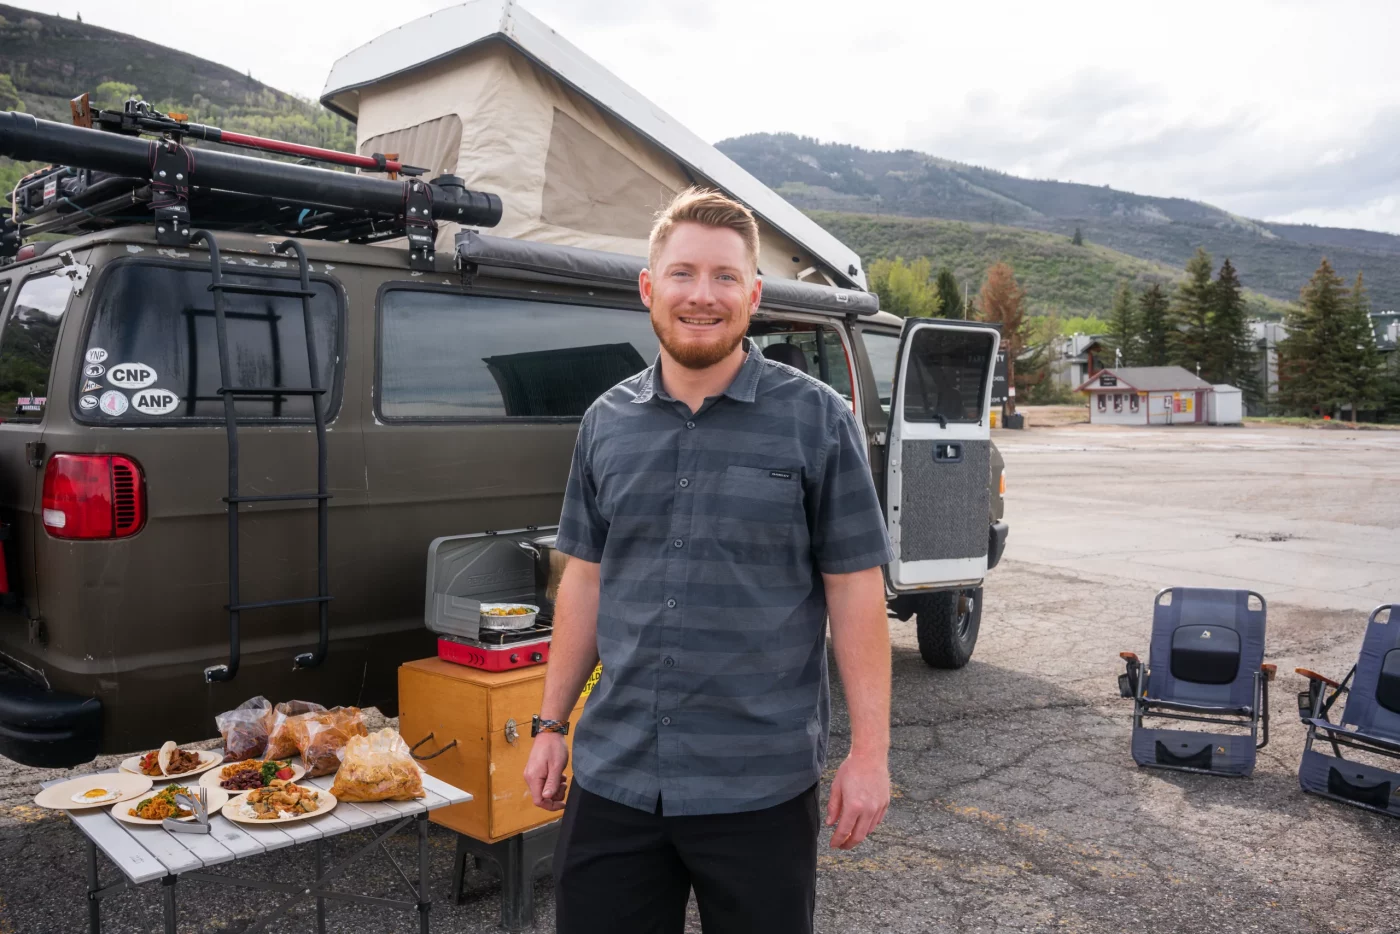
<point>94,907</point>
<point>425,902</point>
<point>320,902</point>
<point>167,886</point>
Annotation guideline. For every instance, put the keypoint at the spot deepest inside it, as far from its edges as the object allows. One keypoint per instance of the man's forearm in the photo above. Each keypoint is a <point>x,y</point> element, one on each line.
<point>573,650</point>
<point>860,637</point>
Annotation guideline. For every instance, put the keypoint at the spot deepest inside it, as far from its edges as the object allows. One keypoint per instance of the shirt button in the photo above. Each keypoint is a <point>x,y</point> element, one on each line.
<point>669,662</point>
<point>684,482</point>
<point>665,721</point>
<point>690,424</point>
<point>671,604</point>
<point>678,543</point>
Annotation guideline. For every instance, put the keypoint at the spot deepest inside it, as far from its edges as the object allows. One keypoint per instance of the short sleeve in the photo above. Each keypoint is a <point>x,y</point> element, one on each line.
<point>847,524</point>
<point>582,529</point>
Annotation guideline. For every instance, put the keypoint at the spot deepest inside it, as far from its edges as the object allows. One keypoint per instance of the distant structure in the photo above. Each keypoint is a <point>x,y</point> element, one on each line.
<point>1147,395</point>
<point>1266,336</point>
<point>1076,358</point>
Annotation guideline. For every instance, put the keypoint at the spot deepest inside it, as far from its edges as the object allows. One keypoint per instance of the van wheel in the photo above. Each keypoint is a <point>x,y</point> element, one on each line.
<point>947,624</point>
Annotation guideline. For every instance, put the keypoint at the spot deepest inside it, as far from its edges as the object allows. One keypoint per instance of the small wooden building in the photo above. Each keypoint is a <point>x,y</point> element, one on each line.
<point>1146,395</point>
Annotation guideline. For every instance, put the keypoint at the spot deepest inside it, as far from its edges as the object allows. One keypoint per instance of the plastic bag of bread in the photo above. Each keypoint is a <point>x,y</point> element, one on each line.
<point>281,744</point>
<point>378,767</point>
<point>321,737</point>
<point>244,729</point>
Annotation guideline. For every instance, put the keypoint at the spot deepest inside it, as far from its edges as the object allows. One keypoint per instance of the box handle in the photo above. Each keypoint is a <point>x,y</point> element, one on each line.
<point>412,751</point>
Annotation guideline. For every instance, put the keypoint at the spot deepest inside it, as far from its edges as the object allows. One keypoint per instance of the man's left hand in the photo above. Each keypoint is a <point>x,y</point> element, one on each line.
<point>859,796</point>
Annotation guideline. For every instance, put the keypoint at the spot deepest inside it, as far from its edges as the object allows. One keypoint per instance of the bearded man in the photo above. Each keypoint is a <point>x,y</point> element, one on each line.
<point>719,509</point>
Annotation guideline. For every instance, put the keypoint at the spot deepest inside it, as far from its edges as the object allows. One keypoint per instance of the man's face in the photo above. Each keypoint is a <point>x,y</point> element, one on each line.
<point>700,292</point>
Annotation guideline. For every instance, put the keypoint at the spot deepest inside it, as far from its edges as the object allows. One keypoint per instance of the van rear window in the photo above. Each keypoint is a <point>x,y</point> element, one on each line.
<point>152,352</point>
<point>28,343</point>
<point>947,375</point>
<point>448,355</point>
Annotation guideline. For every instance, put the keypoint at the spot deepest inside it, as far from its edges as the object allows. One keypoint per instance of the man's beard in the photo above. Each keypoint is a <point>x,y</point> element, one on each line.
<point>698,356</point>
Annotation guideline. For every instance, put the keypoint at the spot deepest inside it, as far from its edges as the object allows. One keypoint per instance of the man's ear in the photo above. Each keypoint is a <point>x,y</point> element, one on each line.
<point>755,296</point>
<point>644,287</point>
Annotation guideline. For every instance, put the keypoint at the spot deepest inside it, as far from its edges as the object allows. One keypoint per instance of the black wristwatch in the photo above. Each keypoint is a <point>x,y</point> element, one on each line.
<point>538,726</point>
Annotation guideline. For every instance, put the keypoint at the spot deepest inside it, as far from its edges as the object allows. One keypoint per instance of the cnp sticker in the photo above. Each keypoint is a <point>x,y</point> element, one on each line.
<point>155,401</point>
<point>96,355</point>
<point>87,403</point>
<point>90,386</point>
<point>94,370</point>
<point>113,403</point>
<point>131,375</point>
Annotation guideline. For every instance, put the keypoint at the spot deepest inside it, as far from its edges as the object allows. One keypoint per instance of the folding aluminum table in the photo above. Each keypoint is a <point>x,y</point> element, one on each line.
<point>149,854</point>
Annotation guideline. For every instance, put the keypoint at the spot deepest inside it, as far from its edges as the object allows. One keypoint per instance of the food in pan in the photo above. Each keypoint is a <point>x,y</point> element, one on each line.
<point>507,611</point>
<point>280,801</point>
<point>169,760</point>
<point>96,796</point>
<point>253,773</point>
<point>162,805</point>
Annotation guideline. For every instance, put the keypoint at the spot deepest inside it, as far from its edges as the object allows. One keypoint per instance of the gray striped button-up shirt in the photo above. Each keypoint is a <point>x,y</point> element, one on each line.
<point>713,530</point>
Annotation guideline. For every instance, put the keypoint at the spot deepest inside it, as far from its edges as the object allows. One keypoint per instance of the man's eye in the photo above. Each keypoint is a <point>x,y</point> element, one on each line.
<point>679,273</point>
<point>728,277</point>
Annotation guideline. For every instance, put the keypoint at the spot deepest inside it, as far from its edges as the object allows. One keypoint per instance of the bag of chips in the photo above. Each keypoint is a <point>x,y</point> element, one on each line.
<point>244,729</point>
<point>321,737</point>
<point>281,744</point>
<point>378,767</point>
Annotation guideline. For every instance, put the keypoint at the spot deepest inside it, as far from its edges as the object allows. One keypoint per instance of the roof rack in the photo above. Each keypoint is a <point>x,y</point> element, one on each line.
<point>103,174</point>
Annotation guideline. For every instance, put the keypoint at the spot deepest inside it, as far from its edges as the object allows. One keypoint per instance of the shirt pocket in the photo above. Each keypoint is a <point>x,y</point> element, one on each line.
<point>759,508</point>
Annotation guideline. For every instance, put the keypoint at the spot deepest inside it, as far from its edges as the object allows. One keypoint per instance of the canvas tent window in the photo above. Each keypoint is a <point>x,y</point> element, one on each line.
<point>591,186</point>
<point>432,145</point>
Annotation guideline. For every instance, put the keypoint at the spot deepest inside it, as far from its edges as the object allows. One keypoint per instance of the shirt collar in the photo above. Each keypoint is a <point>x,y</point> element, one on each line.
<point>743,388</point>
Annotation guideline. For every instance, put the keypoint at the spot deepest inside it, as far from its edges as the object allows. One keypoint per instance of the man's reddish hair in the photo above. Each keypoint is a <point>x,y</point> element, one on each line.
<point>708,207</point>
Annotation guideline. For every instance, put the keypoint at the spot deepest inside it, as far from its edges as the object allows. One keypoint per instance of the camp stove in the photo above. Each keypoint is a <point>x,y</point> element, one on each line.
<point>465,571</point>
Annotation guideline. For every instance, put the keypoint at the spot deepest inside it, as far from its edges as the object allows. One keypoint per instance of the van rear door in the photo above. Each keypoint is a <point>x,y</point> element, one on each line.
<point>936,476</point>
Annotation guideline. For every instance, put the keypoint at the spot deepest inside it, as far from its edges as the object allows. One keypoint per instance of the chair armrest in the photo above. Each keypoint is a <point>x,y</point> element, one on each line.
<point>1270,670</point>
<point>1314,676</point>
<point>1128,656</point>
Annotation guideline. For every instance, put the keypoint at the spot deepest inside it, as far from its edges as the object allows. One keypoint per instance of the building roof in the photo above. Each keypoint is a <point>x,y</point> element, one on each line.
<point>1151,378</point>
<point>455,29</point>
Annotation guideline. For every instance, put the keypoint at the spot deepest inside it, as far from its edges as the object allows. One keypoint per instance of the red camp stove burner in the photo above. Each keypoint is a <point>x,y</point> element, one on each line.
<point>498,650</point>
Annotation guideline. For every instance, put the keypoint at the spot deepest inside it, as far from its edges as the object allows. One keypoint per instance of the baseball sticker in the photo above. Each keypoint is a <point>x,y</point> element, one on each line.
<point>155,401</point>
<point>88,402</point>
<point>131,375</point>
<point>90,386</point>
<point>94,370</point>
<point>96,355</point>
<point>112,403</point>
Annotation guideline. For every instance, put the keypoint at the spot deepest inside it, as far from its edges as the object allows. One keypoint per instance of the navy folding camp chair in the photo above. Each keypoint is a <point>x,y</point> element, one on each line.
<point>1206,666</point>
<point>1370,722</point>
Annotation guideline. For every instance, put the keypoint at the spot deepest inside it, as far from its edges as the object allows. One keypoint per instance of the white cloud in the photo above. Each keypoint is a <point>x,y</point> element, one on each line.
<point>1269,108</point>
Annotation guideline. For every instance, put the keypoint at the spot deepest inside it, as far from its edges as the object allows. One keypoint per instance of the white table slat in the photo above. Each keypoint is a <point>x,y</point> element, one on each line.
<point>451,793</point>
<point>134,861</point>
<point>241,843</point>
<point>157,842</point>
<point>204,847</point>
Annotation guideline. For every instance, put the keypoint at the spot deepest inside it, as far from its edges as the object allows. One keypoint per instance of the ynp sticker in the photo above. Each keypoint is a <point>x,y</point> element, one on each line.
<point>113,403</point>
<point>155,401</point>
<point>131,375</point>
<point>96,355</point>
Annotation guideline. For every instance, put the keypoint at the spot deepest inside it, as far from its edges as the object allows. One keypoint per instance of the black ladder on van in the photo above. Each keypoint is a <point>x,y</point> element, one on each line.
<point>229,394</point>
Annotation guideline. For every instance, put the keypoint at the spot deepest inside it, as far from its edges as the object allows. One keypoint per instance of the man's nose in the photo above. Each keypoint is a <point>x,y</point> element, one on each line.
<point>703,293</point>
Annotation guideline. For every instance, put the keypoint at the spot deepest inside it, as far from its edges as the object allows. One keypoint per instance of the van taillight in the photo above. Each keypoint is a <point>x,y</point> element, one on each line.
<point>93,496</point>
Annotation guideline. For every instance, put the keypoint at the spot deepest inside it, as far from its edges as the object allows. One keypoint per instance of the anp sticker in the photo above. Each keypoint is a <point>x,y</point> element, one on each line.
<point>155,401</point>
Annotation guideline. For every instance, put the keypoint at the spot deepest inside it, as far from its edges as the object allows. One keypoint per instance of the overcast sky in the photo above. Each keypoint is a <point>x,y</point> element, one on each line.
<point>1274,109</point>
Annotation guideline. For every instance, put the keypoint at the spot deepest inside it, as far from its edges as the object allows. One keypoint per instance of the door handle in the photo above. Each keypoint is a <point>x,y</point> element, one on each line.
<point>947,452</point>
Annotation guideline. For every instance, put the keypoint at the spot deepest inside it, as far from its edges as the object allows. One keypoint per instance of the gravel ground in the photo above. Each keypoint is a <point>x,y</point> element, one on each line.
<point>1017,806</point>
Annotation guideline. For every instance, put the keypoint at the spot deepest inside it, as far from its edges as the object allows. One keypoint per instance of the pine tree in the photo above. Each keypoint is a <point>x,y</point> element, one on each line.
<point>1123,337</point>
<point>1004,302</point>
<point>947,288</point>
<point>1229,353</point>
<point>1153,318</point>
<point>1189,318</point>
<point>1307,358</point>
<point>1357,359</point>
<point>1078,238</point>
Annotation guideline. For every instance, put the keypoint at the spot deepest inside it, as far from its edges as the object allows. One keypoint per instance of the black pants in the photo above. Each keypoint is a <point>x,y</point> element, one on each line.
<point>620,870</point>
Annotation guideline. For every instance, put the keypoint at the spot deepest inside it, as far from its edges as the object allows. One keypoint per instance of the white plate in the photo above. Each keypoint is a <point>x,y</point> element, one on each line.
<point>217,799</point>
<point>60,797</point>
<point>207,760</point>
<point>324,804</point>
<point>212,778</point>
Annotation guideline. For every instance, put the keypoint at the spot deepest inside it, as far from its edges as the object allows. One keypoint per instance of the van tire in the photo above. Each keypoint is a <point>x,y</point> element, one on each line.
<point>947,626</point>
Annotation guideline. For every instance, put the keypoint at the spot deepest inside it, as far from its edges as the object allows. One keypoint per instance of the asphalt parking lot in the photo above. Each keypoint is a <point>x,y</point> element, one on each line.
<point>1017,806</point>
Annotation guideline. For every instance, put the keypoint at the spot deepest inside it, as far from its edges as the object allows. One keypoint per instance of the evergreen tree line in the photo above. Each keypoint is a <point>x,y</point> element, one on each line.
<point>909,289</point>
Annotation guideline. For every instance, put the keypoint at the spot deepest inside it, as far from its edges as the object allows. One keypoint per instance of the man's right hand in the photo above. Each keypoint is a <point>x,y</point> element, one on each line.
<point>544,773</point>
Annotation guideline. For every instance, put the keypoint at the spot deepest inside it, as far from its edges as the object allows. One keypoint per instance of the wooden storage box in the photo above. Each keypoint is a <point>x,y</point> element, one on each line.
<point>474,708</point>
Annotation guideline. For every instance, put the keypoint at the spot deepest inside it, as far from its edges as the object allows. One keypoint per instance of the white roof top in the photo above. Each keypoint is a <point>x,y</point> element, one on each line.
<point>456,28</point>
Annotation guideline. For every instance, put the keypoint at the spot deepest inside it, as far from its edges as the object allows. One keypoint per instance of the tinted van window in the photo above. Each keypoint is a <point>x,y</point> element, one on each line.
<point>882,349</point>
<point>812,349</point>
<point>447,355</point>
<point>152,352</point>
<point>947,376</point>
<point>27,346</point>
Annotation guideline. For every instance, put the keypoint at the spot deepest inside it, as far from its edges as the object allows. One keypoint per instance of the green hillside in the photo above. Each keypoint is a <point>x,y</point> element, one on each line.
<point>1060,278</point>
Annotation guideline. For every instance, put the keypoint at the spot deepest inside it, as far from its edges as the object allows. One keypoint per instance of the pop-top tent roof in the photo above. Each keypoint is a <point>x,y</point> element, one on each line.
<point>1149,379</point>
<point>488,92</point>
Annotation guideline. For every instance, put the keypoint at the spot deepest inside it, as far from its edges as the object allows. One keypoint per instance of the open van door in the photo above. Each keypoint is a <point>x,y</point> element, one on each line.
<point>937,478</point>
